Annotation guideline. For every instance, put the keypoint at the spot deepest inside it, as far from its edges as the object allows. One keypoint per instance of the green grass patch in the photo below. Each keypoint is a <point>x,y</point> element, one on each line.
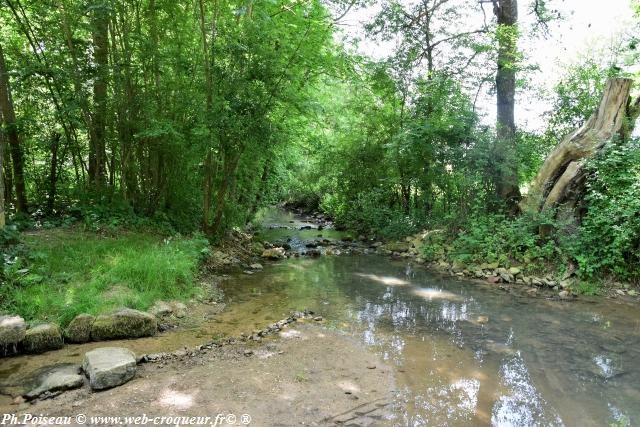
<point>68,272</point>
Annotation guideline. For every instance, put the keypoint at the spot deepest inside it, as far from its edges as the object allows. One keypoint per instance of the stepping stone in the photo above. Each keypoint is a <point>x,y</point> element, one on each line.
<point>60,379</point>
<point>109,367</point>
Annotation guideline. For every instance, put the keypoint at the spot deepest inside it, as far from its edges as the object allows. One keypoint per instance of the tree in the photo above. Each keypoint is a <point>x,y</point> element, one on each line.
<point>506,176</point>
<point>97,150</point>
<point>10,127</point>
<point>560,181</point>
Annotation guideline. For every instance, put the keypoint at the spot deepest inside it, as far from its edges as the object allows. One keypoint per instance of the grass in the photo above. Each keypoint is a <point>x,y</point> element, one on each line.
<point>68,272</point>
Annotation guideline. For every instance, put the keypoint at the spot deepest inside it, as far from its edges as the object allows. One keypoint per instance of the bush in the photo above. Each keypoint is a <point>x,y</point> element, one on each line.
<point>609,237</point>
<point>370,214</point>
<point>488,238</point>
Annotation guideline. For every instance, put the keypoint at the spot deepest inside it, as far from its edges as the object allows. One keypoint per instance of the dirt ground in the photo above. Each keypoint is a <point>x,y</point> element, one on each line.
<point>308,375</point>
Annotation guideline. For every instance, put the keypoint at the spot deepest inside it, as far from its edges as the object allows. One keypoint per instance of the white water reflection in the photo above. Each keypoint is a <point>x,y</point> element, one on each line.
<point>453,402</point>
<point>436,294</point>
<point>523,405</point>
<point>385,280</point>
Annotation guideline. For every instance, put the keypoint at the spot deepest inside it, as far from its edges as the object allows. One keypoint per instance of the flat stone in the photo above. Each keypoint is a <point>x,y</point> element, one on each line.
<point>60,379</point>
<point>109,367</point>
<point>12,330</point>
<point>161,309</point>
<point>125,323</point>
<point>179,309</point>
<point>515,271</point>
<point>273,253</point>
<point>42,338</point>
<point>79,329</point>
<point>564,295</point>
<point>256,266</point>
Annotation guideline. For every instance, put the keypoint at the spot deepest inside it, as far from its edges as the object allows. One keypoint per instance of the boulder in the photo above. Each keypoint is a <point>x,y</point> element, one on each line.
<point>79,329</point>
<point>273,253</point>
<point>60,379</point>
<point>12,330</point>
<point>161,309</point>
<point>256,248</point>
<point>397,246</point>
<point>515,271</point>
<point>42,338</point>
<point>108,367</point>
<point>125,323</point>
<point>489,266</point>
<point>256,266</point>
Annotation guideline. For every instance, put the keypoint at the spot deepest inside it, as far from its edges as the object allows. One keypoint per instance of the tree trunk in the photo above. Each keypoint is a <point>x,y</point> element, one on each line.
<point>506,174</point>
<point>559,181</point>
<point>97,152</point>
<point>53,173</point>
<point>9,123</point>
<point>2,198</point>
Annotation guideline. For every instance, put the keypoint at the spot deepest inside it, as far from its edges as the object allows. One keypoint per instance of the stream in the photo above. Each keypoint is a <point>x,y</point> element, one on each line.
<point>463,353</point>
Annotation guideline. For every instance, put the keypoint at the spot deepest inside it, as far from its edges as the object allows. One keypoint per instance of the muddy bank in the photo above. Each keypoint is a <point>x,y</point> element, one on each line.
<point>305,375</point>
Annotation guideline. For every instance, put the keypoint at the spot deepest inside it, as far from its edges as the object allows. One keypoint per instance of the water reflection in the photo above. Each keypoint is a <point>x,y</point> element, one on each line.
<point>467,354</point>
<point>522,404</point>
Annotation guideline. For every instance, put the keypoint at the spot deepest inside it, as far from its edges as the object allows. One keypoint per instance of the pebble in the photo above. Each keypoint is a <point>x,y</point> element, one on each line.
<point>371,366</point>
<point>248,352</point>
<point>318,318</point>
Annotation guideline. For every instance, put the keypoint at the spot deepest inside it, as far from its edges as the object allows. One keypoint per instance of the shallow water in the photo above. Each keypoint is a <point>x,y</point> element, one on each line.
<point>464,353</point>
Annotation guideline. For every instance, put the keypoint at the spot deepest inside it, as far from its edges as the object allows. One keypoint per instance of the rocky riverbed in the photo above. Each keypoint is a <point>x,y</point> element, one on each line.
<point>282,380</point>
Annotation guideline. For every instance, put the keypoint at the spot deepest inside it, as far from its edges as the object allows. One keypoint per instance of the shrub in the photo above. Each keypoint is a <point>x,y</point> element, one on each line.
<point>609,237</point>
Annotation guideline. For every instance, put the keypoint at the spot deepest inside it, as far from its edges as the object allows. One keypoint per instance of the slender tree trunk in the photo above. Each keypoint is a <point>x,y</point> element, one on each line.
<point>7,172</point>
<point>2,173</point>
<point>9,123</point>
<point>507,188</point>
<point>97,151</point>
<point>208,57</point>
<point>53,172</point>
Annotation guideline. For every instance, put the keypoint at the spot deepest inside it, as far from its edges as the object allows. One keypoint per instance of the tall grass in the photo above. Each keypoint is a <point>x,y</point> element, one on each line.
<point>73,272</point>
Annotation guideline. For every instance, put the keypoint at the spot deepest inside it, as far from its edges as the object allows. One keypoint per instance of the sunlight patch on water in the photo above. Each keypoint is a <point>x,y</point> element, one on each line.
<point>523,406</point>
<point>436,294</point>
<point>384,280</point>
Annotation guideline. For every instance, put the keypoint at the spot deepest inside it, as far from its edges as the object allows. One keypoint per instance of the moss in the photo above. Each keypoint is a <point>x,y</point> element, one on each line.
<point>79,329</point>
<point>125,323</point>
<point>42,338</point>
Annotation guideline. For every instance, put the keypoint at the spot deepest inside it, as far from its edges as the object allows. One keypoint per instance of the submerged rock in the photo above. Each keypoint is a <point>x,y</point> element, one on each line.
<point>12,330</point>
<point>60,379</point>
<point>42,338</point>
<point>79,329</point>
<point>109,367</point>
<point>126,323</point>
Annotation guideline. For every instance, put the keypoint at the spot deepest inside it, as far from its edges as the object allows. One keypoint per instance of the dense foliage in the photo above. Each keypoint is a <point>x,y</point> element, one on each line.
<point>191,115</point>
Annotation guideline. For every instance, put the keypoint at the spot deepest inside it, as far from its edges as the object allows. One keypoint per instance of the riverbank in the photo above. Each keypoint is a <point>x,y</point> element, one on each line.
<point>280,381</point>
